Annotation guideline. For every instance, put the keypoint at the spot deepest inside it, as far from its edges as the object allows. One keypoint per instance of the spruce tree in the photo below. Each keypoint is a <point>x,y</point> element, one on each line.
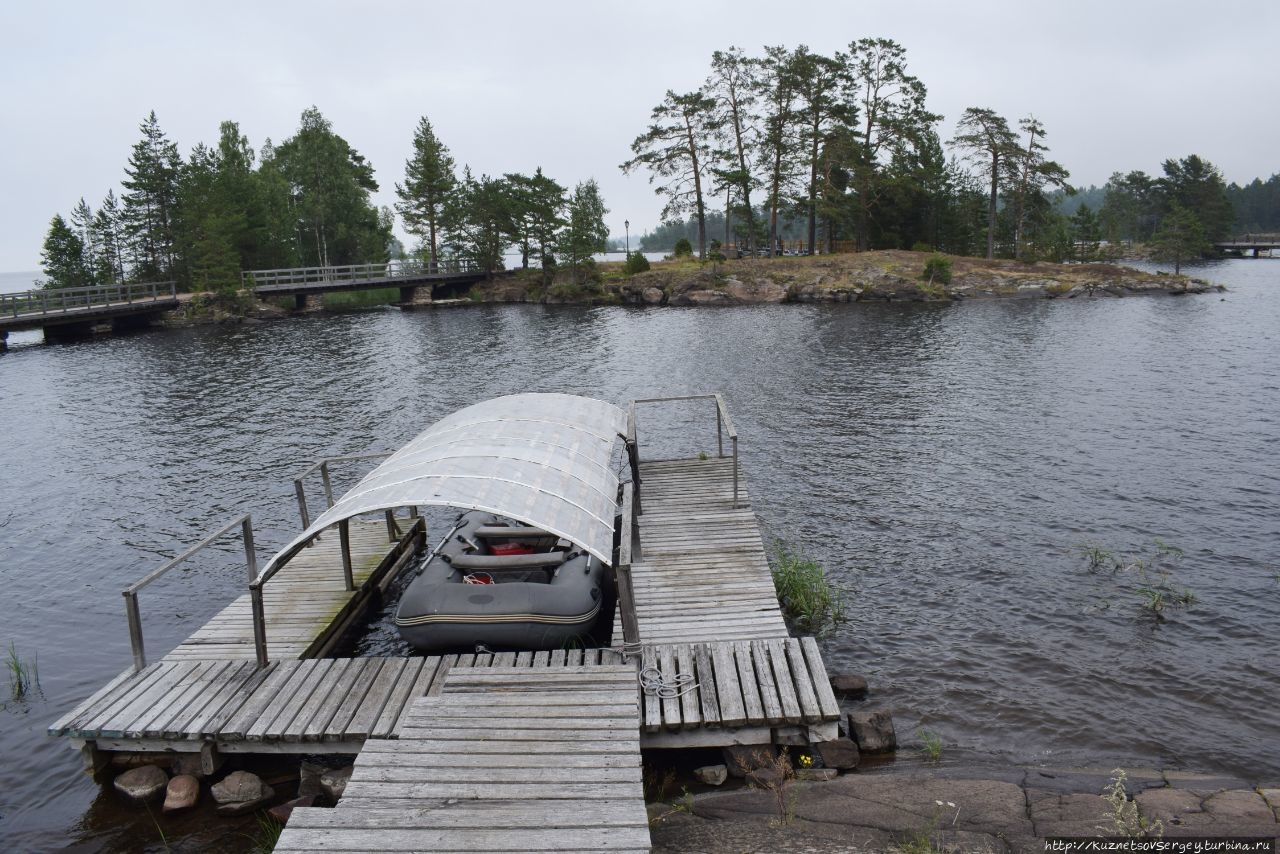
<point>150,202</point>
<point>62,258</point>
<point>428,180</point>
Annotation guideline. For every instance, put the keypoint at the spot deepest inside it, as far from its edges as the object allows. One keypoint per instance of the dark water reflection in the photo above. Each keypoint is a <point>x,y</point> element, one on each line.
<point>947,463</point>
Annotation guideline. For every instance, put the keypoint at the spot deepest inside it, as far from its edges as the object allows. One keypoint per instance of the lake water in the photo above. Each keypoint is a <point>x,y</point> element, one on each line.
<point>947,463</point>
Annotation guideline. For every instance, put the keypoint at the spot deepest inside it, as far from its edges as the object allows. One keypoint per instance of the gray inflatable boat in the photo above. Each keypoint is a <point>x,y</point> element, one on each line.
<point>502,585</point>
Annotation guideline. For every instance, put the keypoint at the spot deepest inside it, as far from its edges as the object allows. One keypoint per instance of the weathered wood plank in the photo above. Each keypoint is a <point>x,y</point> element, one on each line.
<point>751,703</point>
<point>818,675</point>
<point>732,710</point>
<point>808,697</point>
<point>777,659</point>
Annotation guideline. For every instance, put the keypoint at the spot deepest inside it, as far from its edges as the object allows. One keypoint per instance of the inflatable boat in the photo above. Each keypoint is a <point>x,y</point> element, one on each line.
<point>502,585</point>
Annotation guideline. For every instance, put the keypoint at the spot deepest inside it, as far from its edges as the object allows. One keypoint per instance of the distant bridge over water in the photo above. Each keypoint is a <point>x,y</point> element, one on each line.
<point>418,283</point>
<point>1254,245</point>
<point>74,312</point>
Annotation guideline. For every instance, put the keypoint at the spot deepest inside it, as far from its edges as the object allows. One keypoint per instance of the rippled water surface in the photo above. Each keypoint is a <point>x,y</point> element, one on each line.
<point>948,464</point>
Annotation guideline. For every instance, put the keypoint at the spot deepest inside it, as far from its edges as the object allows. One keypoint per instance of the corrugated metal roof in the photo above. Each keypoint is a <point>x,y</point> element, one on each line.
<point>541,459</point>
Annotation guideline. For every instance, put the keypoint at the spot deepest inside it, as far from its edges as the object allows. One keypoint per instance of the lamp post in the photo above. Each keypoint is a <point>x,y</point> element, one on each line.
<point>626,224</point>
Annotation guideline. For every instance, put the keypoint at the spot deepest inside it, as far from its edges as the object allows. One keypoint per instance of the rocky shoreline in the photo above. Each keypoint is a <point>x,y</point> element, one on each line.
<point>881,276</point>
<point>871,277</point>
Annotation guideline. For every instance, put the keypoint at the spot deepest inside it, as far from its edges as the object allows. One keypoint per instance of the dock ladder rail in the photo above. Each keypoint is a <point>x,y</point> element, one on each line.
<point>255,580</point>
<point>130,593</point>
<point>724,425</point>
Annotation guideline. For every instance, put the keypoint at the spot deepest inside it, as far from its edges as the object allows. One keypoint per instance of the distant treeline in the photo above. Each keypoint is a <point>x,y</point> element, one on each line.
<point>794,144</point>
<point>306,203</point>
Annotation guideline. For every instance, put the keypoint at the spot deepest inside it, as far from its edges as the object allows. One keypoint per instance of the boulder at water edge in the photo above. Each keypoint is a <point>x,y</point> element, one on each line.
<point>142,784</point>
<point>873,730</point>
<point>182,793</point>
<point>240,792</point>
<point>334,782</point>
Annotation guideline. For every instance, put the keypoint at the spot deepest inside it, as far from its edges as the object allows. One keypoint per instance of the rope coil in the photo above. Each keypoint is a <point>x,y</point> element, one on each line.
<point>655,684</point>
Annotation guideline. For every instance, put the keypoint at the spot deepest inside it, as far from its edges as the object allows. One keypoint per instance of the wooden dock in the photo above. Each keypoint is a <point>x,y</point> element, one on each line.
<point>505,759</point>
<point>506,751</point>
<point>307,604</point>
<point>702,574</point>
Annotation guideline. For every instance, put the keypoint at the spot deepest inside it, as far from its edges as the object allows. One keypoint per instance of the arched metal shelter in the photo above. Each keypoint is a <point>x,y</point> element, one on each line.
<point>540,459</point>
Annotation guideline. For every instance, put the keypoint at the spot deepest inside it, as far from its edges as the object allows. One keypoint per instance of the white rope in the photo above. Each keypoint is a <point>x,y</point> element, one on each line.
<point>655,684</point>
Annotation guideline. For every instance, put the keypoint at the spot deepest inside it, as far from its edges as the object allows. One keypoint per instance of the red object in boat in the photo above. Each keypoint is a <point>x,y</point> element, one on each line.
<point>510,549</point>
<point>478,578</point>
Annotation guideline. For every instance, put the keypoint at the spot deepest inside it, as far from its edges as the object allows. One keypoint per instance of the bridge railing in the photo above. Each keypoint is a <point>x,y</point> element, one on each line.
<point>293,277</point>
<point>63,300</point>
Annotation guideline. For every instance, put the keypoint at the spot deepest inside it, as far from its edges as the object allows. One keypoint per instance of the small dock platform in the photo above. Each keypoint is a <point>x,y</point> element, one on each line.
<point>702,574</point>
<point>504,759</point>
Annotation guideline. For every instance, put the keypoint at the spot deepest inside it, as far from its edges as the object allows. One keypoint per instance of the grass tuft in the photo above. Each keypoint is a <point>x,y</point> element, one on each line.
<point>808,600</point>
<point>24,676</point>
<point>930,745</point>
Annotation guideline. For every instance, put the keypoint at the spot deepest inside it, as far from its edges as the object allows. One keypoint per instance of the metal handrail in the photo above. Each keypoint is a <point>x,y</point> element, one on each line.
<point>323,466</point>
<point>130,593</point>
<point>724,424</point>
<point>285,277</point>
<point>61,300</point>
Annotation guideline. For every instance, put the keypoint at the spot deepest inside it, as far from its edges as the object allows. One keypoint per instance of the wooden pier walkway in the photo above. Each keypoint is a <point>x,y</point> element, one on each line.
<point>703,574</point>
<point>505,759</point>
<point>307,604</point>
<point>506,751</point>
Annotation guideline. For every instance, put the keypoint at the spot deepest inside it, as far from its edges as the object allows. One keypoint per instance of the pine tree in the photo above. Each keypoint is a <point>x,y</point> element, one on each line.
<point>150,202</point>
<point>732,87</point>
<point>779,141</point>
<point>107,226</point>
<point>63,256</point>
<point>586,233</point>
<point>428,180</point>
<point>1180,237</point>
<point>677,149</point>
<point>986,140</point>
<point>1029,171</point>
<point>82,221</point>
<point>894,123</point>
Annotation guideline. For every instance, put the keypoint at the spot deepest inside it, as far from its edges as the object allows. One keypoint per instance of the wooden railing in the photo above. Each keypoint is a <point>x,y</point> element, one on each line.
<point>48,301</point>
<point>245,523</point>
<point>724,425</point>
<point>286,279</point>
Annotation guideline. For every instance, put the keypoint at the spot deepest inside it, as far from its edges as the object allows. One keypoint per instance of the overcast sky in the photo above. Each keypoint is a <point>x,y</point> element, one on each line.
<point>510,86</point>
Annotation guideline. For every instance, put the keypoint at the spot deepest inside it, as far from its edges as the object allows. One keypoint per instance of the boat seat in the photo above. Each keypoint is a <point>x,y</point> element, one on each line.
<point>491,563</point>
<point>511,533</point>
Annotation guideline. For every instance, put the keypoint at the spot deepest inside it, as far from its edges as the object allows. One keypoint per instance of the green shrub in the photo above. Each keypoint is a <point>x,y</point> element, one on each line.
<point>937,269</point>
<point>683,248</point>
<point>635,263</point>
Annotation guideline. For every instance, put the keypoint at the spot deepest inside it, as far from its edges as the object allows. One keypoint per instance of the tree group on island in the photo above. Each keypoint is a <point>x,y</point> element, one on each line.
<point>307,203</point>
<point>480,218</point>
<point>200,221</point>
<point>842,150</point>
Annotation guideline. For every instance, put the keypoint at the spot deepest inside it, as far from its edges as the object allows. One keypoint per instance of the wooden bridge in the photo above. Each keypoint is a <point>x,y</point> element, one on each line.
<point>419,283</point>
<point>75,311</point>
<point>494,751</point>
<point>1255,245</point>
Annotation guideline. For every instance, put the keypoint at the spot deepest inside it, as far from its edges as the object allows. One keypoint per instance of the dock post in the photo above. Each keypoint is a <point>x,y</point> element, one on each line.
<point>250,555</point>
<point>135,630</point>
<point>259,625</point>
<point>302,502</point>
<point>344,535</point>
<point>393,530</point>
<point>734,439</point>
